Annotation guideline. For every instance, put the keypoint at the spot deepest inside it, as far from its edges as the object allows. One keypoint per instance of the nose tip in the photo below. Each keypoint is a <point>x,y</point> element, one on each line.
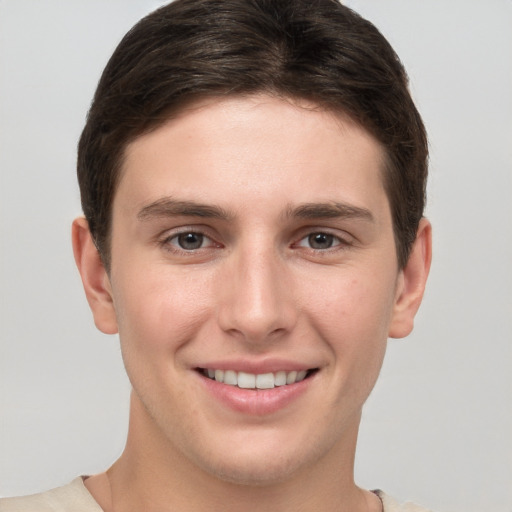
<point>257,326</point>
<point>257,304</point>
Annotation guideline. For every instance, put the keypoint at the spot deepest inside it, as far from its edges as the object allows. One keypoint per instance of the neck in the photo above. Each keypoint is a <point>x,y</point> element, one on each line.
<point>152,474</point>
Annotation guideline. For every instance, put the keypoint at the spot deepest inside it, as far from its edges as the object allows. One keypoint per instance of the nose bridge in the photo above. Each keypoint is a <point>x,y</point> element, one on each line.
<point>257,299</point>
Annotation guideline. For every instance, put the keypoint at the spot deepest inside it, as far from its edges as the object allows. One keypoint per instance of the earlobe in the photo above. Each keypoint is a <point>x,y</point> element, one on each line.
<point>412,281</point>
<point>95,279</point>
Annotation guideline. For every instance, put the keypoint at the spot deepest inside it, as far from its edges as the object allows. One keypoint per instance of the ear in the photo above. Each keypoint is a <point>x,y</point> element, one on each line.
<point>411,282</point>
<point>94,277</point>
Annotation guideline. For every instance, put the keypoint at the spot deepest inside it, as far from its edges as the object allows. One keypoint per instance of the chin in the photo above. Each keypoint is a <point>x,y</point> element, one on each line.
<point>259,464</point>
<point>258,474</point>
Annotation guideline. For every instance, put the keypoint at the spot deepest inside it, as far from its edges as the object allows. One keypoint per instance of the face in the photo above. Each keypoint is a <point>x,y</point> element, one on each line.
<point>254,282</point>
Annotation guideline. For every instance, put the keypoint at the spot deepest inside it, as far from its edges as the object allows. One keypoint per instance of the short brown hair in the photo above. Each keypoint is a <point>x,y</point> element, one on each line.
<point>317,50</point>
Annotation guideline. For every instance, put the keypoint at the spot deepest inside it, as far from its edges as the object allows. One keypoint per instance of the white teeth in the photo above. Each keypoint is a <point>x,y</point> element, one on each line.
<point>230,377</point>
<point>300,375</point>
<point>251,381</point>
<point>265,381</point>
<point>280,379</point>
<point>246,380</point>
<point>290,378</point>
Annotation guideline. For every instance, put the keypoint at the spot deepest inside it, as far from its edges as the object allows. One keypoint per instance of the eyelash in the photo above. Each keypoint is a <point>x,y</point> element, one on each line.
<point>171,242</point>
<point>168,244</point>
<point>334,241</point>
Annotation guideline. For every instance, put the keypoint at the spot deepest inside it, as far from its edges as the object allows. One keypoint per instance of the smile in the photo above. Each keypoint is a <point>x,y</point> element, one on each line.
<point>255,381</point>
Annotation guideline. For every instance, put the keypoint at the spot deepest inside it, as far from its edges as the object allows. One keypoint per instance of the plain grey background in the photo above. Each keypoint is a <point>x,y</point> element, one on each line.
<point>438,427</point>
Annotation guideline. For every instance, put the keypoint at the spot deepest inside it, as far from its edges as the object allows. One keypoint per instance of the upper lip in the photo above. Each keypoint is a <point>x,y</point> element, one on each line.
<point>257,367</point>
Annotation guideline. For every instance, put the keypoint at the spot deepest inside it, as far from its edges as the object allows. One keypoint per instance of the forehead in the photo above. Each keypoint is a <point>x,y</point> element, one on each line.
<point>253,146</point>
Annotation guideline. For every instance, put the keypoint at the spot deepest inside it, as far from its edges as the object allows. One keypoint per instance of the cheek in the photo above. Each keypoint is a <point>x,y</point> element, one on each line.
<point>158,311</point>
<point>352,315</point>
<point>360,305</point>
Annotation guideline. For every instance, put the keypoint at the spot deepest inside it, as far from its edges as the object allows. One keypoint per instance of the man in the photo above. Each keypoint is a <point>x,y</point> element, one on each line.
<point>252,175</point>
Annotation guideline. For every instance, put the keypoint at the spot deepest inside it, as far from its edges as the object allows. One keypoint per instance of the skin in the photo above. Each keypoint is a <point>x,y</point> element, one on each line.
<point>262,286</point>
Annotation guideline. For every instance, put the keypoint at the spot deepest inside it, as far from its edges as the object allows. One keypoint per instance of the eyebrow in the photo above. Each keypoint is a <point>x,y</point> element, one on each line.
<point>330,210</point>
<point>169,207</point>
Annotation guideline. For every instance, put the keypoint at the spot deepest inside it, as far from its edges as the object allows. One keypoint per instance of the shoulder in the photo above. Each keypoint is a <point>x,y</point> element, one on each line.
<point>391,505</point>
<point>73,496</point>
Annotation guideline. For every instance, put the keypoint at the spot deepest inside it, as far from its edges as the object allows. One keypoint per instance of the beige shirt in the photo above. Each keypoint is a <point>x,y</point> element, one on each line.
<point>75,497</point>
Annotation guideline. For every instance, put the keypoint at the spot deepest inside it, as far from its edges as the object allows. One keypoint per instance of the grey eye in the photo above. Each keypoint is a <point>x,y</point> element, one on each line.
<point>321,240</point>
<point>190,241</point>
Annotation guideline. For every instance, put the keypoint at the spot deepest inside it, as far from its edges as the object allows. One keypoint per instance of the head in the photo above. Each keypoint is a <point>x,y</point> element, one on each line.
<point>316,51</point>
<point>252,173</point>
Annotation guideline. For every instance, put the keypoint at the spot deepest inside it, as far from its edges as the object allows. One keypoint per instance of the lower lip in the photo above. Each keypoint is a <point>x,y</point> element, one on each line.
<point>256,402</point>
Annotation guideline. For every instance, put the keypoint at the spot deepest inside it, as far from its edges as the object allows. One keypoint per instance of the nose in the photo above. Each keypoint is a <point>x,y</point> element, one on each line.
<point>256,302</point>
